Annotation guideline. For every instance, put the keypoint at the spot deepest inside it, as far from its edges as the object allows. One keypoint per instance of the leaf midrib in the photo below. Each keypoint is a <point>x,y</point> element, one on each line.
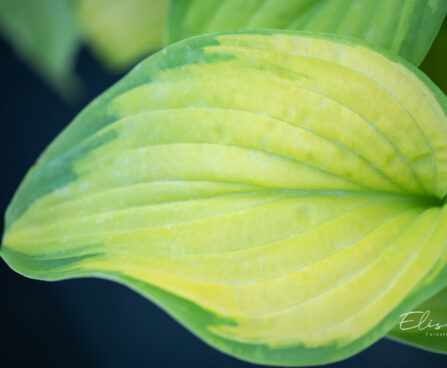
<point>422,200</point>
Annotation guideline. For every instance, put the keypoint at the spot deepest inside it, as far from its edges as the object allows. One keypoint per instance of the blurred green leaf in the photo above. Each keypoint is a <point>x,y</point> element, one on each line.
<point>123,32</point>
<point>420,336</point>
<point>43,33</point>
<point>406,27</point>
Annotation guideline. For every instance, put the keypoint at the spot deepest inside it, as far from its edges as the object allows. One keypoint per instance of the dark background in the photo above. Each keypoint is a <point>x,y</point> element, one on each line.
<point>90,322</point>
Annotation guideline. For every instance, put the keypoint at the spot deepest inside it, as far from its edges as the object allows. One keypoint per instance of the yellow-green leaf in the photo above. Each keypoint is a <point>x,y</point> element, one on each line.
<point>406,27</point>
<point>123,32</point>
<point>281,194</point>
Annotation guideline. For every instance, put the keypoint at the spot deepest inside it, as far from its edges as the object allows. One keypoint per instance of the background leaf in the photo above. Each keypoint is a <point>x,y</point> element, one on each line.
<point>45,34</point>
<point>427,338</point>
<point>406,27</point>
<point>123,32</point>
<point>280,194</point>
<point>435,63</point>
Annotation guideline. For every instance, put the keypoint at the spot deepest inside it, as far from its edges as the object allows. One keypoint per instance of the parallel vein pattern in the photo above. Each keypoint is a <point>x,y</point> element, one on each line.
<point>280,194</point>
<point>406,27</point>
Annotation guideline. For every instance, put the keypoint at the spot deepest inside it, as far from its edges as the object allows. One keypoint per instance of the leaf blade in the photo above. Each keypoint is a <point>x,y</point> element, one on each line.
<point>215,188</point>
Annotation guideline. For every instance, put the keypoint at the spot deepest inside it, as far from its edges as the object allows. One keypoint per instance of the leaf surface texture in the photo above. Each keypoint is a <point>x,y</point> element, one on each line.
<point>280,194</point>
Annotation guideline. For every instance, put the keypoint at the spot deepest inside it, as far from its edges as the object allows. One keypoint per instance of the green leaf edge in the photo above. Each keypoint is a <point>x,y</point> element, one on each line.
<point>196,319</point>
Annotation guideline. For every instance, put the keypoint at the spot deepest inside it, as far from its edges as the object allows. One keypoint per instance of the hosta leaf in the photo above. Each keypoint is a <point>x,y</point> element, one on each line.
<point>45,34</point>
<point>406,27</point>
<point>416,327</point>
<point>123,32</point>
<point>280,194</point>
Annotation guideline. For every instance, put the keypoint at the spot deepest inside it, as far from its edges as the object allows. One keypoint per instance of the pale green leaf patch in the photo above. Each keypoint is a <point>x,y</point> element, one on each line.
<point>281,194</point>
<point>123,32</point>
